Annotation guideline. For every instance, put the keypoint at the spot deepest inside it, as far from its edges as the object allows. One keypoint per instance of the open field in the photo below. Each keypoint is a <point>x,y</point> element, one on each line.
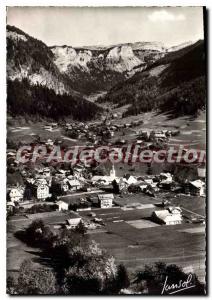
<point>181,244</point>
<point>129,235</point>
<point>135,240</point>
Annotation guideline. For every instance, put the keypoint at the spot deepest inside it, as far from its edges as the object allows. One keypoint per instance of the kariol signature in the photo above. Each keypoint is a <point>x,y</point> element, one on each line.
<point>177,287</point>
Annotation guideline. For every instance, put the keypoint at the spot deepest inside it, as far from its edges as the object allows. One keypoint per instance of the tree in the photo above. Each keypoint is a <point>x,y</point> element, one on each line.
<point>38,234</point>
<point>116,189</point>
<point>153,277</point>
<point>34,281</point>
<point>81,229</point>
<point>92,272</point>
<point>122,277</point>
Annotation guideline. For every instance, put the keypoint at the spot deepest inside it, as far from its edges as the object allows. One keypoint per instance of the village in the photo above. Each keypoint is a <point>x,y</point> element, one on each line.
<point>115,199</point>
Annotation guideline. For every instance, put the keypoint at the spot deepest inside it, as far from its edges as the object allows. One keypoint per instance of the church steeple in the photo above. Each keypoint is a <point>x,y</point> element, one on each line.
<point>113,172</point>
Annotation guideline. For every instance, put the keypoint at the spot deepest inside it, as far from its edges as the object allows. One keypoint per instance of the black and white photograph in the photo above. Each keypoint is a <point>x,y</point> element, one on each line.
<point>106,148</point>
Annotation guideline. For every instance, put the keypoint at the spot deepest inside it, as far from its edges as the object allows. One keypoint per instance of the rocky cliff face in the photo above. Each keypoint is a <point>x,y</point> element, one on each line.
<point>85,70</point>
<point>92,69</point>
<point>118,58</point>
<point>28,58</point>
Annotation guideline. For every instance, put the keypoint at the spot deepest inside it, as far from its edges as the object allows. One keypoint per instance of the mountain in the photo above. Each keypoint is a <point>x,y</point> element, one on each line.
<point>58,81</point>
<point>180,46</point>
<point>92,69</point>
<point>174,83</point>
<point>75,70</point>
<point>30,58</point>
<point>36,87</point>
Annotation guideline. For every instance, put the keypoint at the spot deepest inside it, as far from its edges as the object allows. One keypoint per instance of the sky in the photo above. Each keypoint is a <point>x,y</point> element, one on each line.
<point>87,26</point>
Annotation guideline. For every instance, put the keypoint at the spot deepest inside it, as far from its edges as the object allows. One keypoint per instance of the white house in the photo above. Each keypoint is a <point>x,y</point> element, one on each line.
<point>197,187</point>
<point>10,206</point>
<point>16,194</point>
<point>73,222</point>
<point>165,178</point>
<point>201,172</point>
<point>170,216</point>
<point>75,184</point>
<point>106,200</point>
<point>42,189</point>
<point>62,205</point>
<point>129,179</point>
<point>64,185</point>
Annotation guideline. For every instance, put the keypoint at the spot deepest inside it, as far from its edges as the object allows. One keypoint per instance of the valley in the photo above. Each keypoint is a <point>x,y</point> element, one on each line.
<point>142,94</point>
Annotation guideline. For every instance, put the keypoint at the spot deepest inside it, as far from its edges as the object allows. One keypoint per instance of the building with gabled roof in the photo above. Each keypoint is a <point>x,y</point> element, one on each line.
<point>169,216</point>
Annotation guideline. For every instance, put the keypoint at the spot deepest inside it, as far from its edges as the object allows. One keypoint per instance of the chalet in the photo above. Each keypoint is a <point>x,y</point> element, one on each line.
<point>165,178</point>
<point>73,222</point>
<point>16,194</point>
<point>201,172</point>
<point>54,125</point>
<point>46,172</point>
<point>106,200</point>
<point>144,135</point>
<point>41,188</point>
<point>64,185</point>
<point>142,185</point>
<point>74,184</point>
<point>10,207</point>
<point>62,205</point>
<point>129,179</point>
<point>123,186</point>
<point>197,188</point>
<point>169,216</point>
<point>159,136</point>
<point>49,142</point>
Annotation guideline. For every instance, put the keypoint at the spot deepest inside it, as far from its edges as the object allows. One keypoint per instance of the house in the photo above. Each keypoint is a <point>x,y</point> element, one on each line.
<point>73,222</point>
<point>169,216</point>
<point>165,178</point>
<point>16,194</point>
<point>10,207</point>
<point>151,190</point>
<point>129,179</point>
<point>64,185</point>
<point>42,189</point>
<point>62,205</point>
<point>201,172</point>
<point>197,187</point>
<point>49,142</point>
<point>123,186</point>
<point>142,185</point>
<point>158,135</point>
<point>46,172</point>
<point>106,200</point>
<point>144,135</point>
<point>74,184</point>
